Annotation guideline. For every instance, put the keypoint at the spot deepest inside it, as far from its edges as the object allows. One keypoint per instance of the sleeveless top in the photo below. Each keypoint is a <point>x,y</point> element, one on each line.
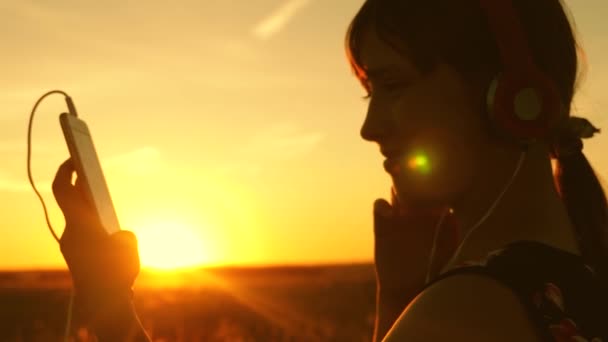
<point>562,295</point>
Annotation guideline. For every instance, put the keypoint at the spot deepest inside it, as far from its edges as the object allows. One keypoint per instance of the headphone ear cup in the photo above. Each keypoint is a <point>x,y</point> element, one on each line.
<point>491,99</point>
<point>496,115</point>
<point>523,108</point>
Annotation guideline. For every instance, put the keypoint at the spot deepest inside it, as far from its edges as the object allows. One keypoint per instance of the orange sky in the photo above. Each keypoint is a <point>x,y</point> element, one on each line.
<point>231,124</point>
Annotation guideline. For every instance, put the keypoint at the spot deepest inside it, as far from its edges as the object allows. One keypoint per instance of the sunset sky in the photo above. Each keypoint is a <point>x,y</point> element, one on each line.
<point>228,130</point>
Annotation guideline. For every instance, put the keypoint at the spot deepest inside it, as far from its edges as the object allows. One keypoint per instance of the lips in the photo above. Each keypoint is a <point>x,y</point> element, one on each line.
<point>392,165</point>
<point>394,157</point>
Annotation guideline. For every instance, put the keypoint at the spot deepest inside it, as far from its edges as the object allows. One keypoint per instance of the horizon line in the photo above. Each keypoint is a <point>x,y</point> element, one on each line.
<point>209,267</point>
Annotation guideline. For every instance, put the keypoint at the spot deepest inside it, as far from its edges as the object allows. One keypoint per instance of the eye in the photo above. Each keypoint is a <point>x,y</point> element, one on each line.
<point>367,85</point>
<point>384,87</point>
<point>393,85</point>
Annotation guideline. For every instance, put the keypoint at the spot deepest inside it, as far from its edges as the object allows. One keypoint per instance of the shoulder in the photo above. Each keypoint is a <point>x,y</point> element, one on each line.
<point>465,307</point>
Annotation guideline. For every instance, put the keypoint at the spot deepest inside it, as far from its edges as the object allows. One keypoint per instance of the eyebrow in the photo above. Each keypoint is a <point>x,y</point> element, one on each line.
<point>380,72</point>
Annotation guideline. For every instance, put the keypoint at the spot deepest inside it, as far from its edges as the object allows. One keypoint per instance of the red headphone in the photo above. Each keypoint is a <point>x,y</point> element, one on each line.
<point>522,101</point>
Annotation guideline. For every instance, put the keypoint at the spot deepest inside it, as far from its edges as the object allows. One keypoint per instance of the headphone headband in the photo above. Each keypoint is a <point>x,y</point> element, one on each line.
<point>522,101</point>
<point>510,36</point>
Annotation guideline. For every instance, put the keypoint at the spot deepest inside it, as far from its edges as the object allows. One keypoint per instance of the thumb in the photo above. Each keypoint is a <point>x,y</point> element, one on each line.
<point>382,208</point>
<point>126,258</point>
<point>125,238</point>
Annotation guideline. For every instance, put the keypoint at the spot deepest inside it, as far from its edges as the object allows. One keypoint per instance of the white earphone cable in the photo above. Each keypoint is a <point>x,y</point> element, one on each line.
<point>435,236</point>
<point>518,166</point>
<point>72,111</point>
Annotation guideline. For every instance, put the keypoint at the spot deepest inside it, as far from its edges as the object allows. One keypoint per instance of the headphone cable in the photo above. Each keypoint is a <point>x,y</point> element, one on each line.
<point>72,111</point>
<point>520,163</point>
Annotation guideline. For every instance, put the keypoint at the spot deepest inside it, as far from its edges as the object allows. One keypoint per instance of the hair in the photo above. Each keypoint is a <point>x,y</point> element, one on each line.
<point>457,33</point>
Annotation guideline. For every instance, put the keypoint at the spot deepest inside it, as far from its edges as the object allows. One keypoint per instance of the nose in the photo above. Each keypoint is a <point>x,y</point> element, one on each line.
<point>377,124</point>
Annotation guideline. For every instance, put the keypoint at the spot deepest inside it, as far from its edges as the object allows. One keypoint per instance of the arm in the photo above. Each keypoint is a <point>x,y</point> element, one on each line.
<point>103,267</point>
<point>402,245</point>
<point>465,307</point>
<point>102,279</point>
<point>111,318</point>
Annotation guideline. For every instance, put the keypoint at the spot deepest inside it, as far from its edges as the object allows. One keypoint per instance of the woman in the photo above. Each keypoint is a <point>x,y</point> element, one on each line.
<point>480,242</point>
<point>429,67</point>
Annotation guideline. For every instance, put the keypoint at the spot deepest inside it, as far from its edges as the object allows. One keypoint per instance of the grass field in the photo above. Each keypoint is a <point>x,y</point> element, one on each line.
<point>325,303</point>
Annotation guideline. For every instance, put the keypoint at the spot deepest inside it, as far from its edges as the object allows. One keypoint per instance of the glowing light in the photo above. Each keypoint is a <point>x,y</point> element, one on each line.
<point>170,245</point>
<point>420,162</point>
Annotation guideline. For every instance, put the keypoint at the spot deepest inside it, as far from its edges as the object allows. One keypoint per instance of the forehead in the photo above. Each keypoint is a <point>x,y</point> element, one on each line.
<point>378,56</point>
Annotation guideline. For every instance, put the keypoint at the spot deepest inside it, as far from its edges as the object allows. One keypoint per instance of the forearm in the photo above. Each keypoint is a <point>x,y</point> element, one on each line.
<point>113,318</point>
<point>120,324</point>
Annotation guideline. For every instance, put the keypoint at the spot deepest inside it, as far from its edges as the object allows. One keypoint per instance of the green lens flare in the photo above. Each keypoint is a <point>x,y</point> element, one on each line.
<point>420,162</point>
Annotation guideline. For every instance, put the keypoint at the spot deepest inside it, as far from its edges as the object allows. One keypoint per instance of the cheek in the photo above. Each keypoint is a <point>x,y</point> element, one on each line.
<point>452,161</point>
<point>456,162</point>
<point>446,131</point>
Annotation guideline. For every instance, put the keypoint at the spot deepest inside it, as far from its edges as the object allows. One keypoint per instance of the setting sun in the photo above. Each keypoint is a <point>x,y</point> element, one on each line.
<point>170,245</point>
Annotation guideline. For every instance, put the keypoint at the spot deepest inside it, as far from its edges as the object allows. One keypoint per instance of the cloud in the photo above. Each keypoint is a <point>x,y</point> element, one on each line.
<point>276,20</point>
<point>282,141</point>
<point>274,144</point>
<point>142,161</point>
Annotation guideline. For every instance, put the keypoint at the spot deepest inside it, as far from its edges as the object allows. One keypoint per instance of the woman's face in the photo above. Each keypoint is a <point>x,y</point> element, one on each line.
<point>429,127</point>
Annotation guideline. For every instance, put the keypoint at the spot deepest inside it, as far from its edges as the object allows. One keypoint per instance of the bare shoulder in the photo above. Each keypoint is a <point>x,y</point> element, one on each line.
<point>465,307</point>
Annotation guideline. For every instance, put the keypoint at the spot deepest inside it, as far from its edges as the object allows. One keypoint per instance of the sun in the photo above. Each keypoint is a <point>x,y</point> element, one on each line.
<point>170,245</point>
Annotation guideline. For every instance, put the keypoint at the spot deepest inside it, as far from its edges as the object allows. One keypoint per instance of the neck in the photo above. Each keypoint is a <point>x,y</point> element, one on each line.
<point>530,209</point>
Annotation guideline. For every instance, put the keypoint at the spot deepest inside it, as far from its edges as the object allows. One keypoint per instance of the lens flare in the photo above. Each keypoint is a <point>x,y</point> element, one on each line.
<point>419,162</point>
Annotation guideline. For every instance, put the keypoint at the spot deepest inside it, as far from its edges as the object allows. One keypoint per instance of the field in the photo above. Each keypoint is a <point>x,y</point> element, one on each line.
<point>325,303</point>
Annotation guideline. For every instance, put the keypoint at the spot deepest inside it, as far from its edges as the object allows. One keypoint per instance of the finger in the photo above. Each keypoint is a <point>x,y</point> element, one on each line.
<point>384,221</point>
<point>62,184</point>
<point>125,238</point>
<point>450,232</point>
<point>448,240</point>
<point>397,205</point>
<point>63,176</point>
<point>124,243</point>
<point>394,198</point>
<point>382,208</point>
<point>126,258</point>
<point>80,189</point>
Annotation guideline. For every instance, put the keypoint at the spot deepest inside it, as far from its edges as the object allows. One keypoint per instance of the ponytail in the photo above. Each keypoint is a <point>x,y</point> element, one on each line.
<point>587,207</point>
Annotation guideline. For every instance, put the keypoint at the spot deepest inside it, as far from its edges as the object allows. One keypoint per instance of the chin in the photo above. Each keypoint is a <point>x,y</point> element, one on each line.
<point>413,199</point>
<point>425,195</point>
<point>445,184</point>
